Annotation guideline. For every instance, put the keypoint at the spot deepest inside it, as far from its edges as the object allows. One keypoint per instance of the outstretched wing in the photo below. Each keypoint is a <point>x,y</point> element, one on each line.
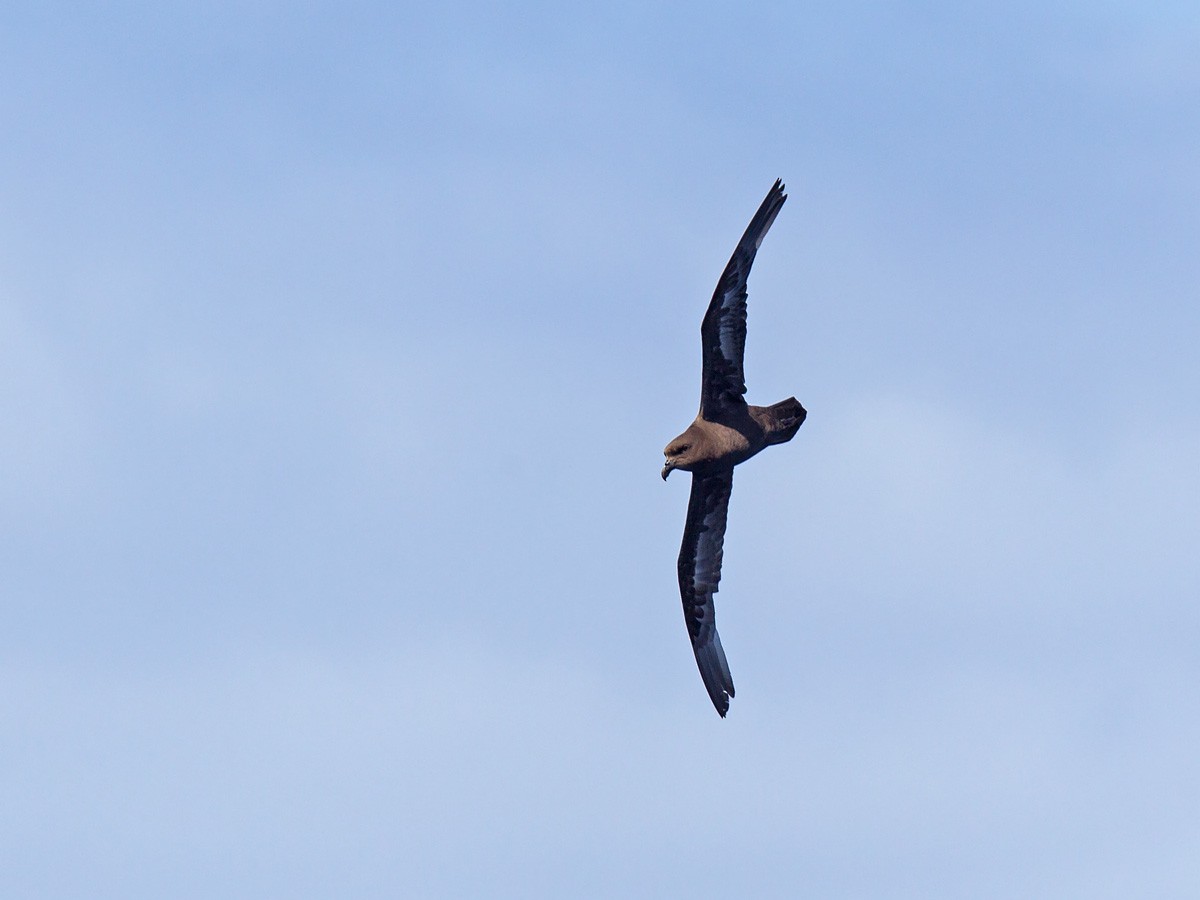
<point>699,572</point>
<point>723,333</point>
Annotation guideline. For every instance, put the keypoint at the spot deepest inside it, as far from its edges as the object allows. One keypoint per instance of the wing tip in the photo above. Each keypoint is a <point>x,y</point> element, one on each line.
<point>722,703</point>
<point>767,211</point>
<point>714,670</point>
<point>720,700</point>
<point>777,194</point>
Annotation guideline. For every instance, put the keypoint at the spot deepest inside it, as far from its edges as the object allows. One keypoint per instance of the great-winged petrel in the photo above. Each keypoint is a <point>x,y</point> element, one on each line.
<point>726,432</point>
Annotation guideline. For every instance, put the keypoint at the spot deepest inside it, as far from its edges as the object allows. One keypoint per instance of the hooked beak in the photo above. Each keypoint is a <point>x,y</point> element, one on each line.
<point>667,469</point>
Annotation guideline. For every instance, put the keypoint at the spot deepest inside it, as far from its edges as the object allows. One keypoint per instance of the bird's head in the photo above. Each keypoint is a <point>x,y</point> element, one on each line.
<point>680,454</point>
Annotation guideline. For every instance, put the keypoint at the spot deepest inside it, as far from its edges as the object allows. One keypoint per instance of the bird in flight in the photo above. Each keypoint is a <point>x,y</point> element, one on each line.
<point>727,431</point>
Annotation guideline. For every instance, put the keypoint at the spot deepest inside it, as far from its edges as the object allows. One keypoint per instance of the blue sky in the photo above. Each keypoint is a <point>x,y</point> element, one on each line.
<point>338,348</point>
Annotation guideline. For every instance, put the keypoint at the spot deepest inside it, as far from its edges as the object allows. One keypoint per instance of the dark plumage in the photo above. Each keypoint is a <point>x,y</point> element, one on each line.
<point>727,431</point>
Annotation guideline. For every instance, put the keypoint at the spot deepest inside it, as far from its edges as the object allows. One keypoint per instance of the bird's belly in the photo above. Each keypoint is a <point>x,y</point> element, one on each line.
<point>731,444</point>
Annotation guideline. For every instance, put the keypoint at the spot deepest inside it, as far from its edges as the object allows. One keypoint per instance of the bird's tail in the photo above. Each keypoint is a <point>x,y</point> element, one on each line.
<point>783,420</point>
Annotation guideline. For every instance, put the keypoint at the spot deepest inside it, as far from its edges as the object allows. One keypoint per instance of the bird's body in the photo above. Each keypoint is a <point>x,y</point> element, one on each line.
<point>741,434</point>
<point>727,431</point>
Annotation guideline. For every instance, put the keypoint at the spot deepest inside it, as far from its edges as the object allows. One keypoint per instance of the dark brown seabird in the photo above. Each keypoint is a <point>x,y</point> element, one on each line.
<point>726,432</point>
